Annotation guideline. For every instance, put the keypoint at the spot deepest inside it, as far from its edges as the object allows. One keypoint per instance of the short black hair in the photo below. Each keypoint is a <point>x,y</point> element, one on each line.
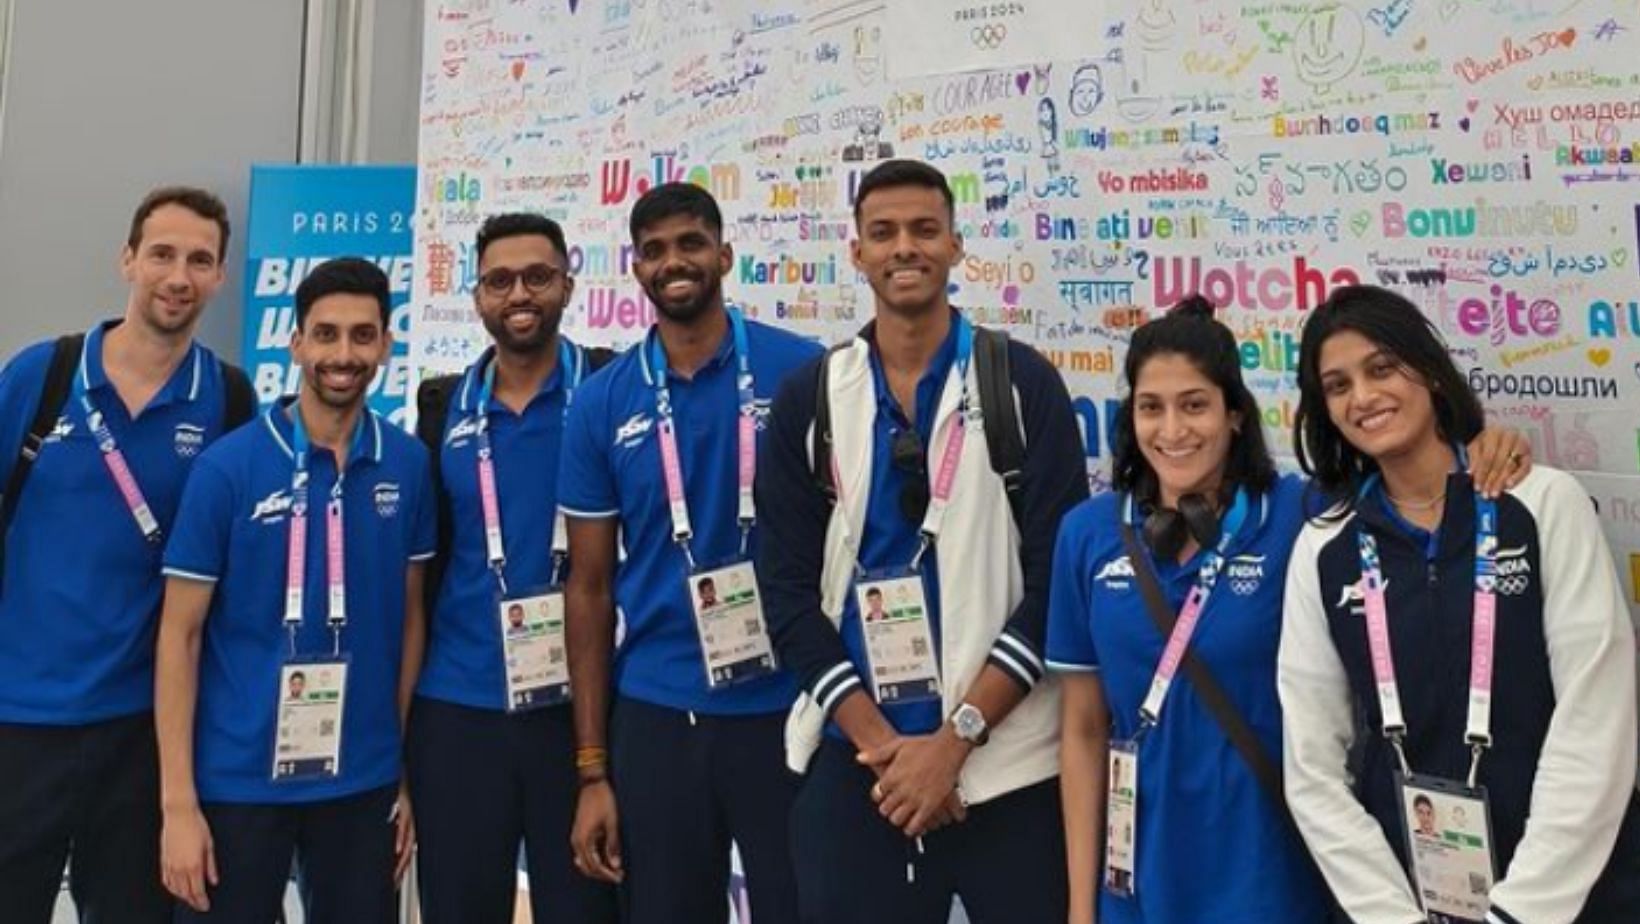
<point>1397,327</point>
<point>904,173</point>
<point>1191,331</point>
<point>201,202</point>
<point>519,224</point>
<point>670,199</point>
<point>297,675</point>
<point>347,275</point>
<point>874,592</point>
<point>1422,801</point>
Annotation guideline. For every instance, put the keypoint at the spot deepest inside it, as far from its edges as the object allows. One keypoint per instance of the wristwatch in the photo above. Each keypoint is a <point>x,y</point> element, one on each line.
<point>969,724</point>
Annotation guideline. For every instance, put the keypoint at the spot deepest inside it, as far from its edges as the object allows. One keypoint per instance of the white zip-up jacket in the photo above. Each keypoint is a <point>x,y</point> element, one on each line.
<point>993,575</point>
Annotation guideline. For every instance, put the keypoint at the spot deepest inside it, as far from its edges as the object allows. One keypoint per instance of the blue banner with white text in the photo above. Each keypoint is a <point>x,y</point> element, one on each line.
<point>301,216</point>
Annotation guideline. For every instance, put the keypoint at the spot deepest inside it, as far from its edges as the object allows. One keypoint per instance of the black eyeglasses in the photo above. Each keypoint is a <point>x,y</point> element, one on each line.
<point>906,455</point>
<point>538,277</point>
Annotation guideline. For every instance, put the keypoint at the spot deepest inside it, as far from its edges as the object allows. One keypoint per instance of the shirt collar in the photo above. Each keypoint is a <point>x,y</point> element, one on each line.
<point>723,356</point>
<point>367,448</point>
<point>183,385</point>
<point>472,381</point>
<point>934,376</point>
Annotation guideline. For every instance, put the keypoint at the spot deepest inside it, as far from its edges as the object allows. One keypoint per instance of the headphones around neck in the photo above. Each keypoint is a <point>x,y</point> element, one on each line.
<point>1167,529</point>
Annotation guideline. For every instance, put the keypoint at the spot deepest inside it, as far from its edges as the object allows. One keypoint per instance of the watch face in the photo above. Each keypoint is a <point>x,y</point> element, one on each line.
<point>969,723</point>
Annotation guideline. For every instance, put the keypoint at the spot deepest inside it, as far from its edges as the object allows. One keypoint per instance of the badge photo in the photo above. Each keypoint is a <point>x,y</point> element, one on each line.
<point>309,708</point>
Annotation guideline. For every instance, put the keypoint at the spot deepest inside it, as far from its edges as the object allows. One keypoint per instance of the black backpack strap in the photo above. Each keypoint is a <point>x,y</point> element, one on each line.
<point>432,412</point>
<point>996,403</point>
<point>238,398</point>
<point>821,450</point>
<point>597,358</point>
<point>59,381</point>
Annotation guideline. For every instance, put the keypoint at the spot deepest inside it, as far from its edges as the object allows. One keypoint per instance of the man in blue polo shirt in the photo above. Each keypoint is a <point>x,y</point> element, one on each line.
<point>81,586</point>
<point>491,755</point>
<point>911,600</point>
<point>662,448</point>
<point>297,549</point>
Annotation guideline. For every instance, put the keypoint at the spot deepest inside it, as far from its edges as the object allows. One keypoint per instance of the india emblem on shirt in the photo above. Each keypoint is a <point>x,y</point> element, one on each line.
<point>188,439</point>
<point>387,499</point>
<point>1245,573</point>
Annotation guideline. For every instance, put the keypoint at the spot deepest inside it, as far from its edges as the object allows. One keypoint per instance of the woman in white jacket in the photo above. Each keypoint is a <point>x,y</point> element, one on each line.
<point>1457,674</point>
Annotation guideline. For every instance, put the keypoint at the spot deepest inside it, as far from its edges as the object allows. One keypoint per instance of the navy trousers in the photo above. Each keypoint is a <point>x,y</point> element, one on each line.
<point>482,783</point>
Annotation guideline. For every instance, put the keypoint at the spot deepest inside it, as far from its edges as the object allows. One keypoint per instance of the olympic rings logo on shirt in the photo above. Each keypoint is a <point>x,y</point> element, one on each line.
<point>988,37</point>
<point>1514,585</point>
<point>1244,587</point>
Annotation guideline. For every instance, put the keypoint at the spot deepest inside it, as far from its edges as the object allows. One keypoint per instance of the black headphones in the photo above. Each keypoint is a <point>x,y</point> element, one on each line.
<point>1166,529</point>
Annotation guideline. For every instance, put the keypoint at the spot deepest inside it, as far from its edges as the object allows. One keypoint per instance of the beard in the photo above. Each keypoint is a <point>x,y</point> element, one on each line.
<point>708,288</point>
<point>528,343</point>
<point>168,320</point>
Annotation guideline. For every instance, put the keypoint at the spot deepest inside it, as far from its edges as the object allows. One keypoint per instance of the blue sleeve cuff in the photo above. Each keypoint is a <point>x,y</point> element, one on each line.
<point>1017,659</point>
<point>833,687</point>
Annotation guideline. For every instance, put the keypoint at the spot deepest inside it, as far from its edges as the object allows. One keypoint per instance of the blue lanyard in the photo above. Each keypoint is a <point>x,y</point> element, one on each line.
<point>571,365</point>
<point>114,460</point>
<point>671,464</point>
<point>1483,619</point>
<point>296,546</point>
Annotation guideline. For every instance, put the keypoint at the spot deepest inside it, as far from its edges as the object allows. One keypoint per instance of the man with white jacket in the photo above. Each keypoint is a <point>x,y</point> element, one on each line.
<point>929,736</point>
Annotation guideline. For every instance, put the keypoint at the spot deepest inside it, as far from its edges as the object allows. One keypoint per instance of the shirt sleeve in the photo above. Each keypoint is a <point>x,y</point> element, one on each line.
<point>586,483</point>
<point>1070,637</point>
<point>424,515</point>
<point>1053,480</point>
<point>198,547</point>
<point>791,547</point>
<point>1586,770</point>
<point>1346,842</point>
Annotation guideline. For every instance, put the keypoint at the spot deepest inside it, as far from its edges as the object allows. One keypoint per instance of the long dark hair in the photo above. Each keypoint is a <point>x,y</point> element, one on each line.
<point>1397,327</point>
<point>1190,330</point>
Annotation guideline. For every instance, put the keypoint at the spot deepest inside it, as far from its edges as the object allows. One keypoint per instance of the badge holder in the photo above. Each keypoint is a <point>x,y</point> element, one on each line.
<point>1121,817</point>
<point>534,654</point>
<point>311,704</point>
<point>899,639</point>
<point>729,624</point>
<point>1448,829</point>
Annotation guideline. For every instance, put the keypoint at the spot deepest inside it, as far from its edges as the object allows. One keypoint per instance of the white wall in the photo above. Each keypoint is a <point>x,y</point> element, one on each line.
<point>105,99</point>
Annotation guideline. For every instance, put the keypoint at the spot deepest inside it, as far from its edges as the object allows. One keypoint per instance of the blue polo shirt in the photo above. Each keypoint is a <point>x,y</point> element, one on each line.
<point>612,468</point>
<point>81,594</point>
<point>464,646</point>
<point>232,529</point>
<point>1192,781</point>
<point>889,540</point>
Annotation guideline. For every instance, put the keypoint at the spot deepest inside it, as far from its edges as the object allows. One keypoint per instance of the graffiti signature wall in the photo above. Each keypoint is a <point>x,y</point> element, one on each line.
<point>1477,155</point>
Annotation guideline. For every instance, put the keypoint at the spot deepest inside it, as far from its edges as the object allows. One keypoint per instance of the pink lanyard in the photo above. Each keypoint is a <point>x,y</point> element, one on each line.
<point>296,546</point>
<point>114,459</point>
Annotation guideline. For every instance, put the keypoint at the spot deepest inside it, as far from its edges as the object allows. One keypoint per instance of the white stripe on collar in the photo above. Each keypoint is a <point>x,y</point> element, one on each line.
<point>267,420</point>
<point>193,390</point>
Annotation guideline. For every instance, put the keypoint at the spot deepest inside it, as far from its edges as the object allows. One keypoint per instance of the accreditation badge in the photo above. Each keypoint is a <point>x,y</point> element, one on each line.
<point>1448,830</point>
<point>1121,817</point>
<point>899,638</point>
<point>310,704</point>
<point>533,651</point>
<point>734,638</point>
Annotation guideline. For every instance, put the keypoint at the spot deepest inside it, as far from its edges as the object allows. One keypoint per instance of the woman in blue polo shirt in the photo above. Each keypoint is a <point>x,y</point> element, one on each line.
<point>1200,513</point>
<point>1421,787</point>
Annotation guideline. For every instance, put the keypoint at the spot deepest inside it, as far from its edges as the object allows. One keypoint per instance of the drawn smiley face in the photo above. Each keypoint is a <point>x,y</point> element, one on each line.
<point>1087,90</point>
<point>1327,46</point>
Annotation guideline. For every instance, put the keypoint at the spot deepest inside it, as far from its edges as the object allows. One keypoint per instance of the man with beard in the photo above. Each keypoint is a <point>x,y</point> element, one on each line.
<point>662,449</point>
<point>109,423</point>
<point>491,749</point>
<point>299,545</point>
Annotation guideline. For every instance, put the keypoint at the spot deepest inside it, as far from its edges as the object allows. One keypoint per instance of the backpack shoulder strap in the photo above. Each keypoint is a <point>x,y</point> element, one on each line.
<point>238,398</point>
<point>820,452</point>
<point>1003,438</point>
<point>59,380</point>
<point>432,412</point>
<point>598,357</point>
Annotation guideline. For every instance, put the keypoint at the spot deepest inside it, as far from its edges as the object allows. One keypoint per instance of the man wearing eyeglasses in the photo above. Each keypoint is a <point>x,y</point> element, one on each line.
<point>935,771</point>
<point>491,744</point>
